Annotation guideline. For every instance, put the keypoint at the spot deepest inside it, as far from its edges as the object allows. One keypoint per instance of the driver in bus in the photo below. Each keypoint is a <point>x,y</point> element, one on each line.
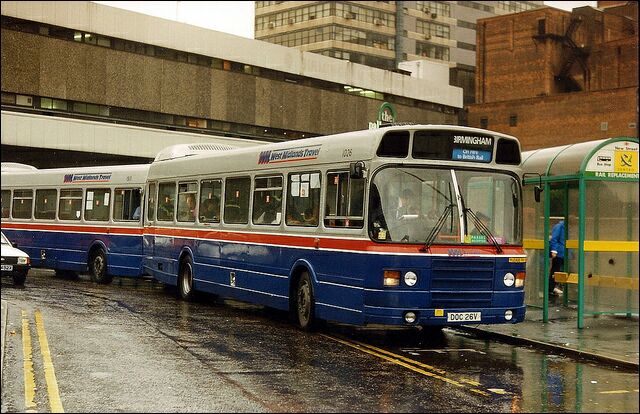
<point>407,205</point>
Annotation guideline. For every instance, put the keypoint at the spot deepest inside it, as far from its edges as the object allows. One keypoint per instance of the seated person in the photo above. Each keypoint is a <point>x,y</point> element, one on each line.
<point>210,210</point>
<point>311,216</point>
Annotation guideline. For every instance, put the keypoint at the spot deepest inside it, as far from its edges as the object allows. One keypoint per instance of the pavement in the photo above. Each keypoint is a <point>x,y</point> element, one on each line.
<point>606,339</point>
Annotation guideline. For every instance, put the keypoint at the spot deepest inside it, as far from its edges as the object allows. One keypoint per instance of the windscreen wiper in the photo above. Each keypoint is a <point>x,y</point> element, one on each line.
<point>483,229</point>
<point>436,229</point>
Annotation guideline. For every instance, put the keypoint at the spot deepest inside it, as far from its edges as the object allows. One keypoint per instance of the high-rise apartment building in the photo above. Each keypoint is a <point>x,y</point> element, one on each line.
<point>384,33</point>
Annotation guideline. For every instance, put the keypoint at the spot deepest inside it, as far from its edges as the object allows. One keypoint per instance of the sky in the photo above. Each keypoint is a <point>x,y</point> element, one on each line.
<point>235,17</point>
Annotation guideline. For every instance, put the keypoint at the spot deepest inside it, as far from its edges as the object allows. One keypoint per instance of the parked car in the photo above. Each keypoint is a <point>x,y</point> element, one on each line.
<point>15,262</point>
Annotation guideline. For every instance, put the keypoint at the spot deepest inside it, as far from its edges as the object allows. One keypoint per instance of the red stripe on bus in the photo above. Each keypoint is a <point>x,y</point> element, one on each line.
<point>363,245</point>
<point>73,228</point>
<point>328,243</point>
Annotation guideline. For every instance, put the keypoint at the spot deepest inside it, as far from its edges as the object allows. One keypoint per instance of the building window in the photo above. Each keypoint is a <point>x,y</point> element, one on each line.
<point>513,120</point>
<point>484,122</point>
<point>542,26</point>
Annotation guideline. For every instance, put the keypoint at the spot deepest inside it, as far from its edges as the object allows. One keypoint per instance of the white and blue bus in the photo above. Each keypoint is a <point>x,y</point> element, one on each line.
<point>405,225</point>
<point>76,219</point>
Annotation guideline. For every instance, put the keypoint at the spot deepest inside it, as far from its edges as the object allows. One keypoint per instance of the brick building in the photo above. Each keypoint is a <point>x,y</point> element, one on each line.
<point>553,77</point>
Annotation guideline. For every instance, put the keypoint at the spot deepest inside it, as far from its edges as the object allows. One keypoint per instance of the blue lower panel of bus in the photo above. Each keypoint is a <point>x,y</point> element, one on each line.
<point>70,251</point>
<point>347,286</point>
<point>394,316</point>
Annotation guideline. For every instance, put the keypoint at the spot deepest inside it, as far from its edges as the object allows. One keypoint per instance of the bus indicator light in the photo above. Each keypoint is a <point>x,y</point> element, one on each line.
<point>520,276</point>
<point>391,278</point>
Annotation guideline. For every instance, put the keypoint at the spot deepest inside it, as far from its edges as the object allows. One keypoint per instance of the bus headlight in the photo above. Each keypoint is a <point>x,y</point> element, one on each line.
<point>508,315</point>
<point>410,279</point>
<point>509,279</point>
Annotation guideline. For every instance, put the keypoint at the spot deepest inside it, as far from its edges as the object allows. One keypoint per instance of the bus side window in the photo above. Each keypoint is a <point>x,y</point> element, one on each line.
<point>187,193</point>
<point>267,200</point>
<point>22,203</point>
<point>46,201</point>
<point>126,204</point>
<point>344,200</point>
<point>210,192</point>
<point>97,204</point>
<point>236,200</point>
<point>6,203</point>
<point>151,202</point>
<point>166,201</point>
<point>303,199</point>
<point>70,204</point>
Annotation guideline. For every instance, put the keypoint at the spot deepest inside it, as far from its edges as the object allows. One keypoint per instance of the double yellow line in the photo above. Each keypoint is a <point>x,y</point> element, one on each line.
<point>29,374</point>
<point>416,366</point>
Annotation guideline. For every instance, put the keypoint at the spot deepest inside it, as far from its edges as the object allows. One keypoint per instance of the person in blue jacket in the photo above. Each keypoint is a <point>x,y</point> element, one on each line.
<point>556,252</point>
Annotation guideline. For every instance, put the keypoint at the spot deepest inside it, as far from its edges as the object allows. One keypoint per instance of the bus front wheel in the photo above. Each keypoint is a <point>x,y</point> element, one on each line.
<point>98,267</point>
<point>305,303</point>
<point>185,280</point>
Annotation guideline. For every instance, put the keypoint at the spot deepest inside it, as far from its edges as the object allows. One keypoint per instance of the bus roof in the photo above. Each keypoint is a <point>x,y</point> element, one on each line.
<point>329,149</point>
<point>78,176</point>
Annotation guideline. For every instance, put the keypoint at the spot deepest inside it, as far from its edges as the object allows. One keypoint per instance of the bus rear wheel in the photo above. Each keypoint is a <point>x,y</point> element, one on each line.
<point>185,279</point>
<point>98,267</point>
<point>305,303</point>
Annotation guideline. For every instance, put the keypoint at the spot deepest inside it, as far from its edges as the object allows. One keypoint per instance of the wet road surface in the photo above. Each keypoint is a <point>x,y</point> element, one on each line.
<point>133,347</point>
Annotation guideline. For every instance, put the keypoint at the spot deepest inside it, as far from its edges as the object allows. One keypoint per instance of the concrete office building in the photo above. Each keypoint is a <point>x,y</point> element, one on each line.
<point>385,33</point>
<point>82,60</point>
<point>553,77</point>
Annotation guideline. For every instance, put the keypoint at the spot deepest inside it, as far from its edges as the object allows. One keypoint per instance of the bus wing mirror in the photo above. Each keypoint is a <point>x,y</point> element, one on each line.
<point>537,190</point>
<point>536,193</point>
<point>356,169</point>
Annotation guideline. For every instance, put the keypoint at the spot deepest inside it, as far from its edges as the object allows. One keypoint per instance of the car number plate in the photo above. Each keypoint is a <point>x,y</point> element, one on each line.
<point>464,316</point>
<point>7,267</point>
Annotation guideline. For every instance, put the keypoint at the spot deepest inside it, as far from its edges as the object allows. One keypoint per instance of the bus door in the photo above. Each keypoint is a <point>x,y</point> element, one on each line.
<point>149,218</point>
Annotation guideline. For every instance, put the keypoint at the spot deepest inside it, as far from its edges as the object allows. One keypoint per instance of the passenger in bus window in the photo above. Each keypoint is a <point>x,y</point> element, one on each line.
<point>100,211</point>
<point>188,209</point>
<point>166,209</point>
<point>311,215</point>
<point>293,216</point>
<point>210,210</point>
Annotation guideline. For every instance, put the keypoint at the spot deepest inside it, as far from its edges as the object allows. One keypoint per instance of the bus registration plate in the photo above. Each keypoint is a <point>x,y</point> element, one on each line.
<point>7,268</point>
<point>464,316</point>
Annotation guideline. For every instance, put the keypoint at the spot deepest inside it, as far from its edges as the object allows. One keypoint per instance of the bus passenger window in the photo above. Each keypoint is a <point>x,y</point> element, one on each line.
<point>210,192</point>
<point>236,200</point>
<point>6,203</point>
<point>96,206</point>
<point>70,204</point>
<point>267,200</point>
<point>46,204</point>
<point>166,201</point>
<point>126,204</point>
<point>303,199</point>
<point>345,197</point>
<point>187,201</point>
<point>22,203</point>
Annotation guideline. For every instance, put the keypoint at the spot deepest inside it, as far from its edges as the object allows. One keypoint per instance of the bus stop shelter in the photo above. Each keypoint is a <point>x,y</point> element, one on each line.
<point>593,187</point>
